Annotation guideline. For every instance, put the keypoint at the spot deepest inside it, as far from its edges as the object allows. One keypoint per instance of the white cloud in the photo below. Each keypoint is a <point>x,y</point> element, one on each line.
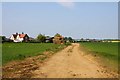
<point>66,3</point>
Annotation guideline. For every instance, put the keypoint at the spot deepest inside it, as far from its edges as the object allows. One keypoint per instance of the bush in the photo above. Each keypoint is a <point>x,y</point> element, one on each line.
<point>67,43</point>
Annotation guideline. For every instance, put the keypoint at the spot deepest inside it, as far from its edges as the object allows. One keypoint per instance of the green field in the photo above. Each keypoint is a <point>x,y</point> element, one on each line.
<point>108,52</point>
<point>18,51</point>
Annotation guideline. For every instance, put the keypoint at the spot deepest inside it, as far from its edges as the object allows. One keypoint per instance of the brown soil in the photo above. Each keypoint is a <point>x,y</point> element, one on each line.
<point>67,63</point>
<point>24,68</point>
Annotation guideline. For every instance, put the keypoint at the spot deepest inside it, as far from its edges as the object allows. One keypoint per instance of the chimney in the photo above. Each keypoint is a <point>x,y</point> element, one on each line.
<point>16,33</point>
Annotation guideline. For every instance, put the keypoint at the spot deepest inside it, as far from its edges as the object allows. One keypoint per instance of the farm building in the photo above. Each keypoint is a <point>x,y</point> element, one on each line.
<point>19,37</point>
<point>49,39</point>
<point>58,39</point>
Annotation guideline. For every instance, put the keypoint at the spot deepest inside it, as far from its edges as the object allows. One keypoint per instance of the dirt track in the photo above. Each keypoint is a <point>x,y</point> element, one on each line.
<point>70,63</point>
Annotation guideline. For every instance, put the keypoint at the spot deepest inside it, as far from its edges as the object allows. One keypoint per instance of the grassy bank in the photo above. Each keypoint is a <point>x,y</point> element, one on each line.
<point>18,51</point>
<point>108,52</point>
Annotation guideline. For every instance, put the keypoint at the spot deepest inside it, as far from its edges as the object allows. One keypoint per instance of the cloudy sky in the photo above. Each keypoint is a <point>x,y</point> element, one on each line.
<point>75,19</point>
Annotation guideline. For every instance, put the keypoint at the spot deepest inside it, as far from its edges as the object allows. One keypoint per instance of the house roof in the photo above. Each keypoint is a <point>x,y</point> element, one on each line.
<point>22,35</point>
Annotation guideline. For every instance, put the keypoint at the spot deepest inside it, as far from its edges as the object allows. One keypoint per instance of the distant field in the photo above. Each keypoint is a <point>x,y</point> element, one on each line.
<point>107,51</point>
<point>18,51</point>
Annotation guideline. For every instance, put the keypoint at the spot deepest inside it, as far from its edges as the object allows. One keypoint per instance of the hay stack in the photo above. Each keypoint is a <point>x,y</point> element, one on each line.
<point>58,39</point>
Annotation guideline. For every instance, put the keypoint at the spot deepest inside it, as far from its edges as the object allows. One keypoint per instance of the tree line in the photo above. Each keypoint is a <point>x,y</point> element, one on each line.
<point>41,38</point>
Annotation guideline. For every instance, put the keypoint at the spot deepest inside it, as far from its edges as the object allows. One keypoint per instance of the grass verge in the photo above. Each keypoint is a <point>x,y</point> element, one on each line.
<point>108,53</point>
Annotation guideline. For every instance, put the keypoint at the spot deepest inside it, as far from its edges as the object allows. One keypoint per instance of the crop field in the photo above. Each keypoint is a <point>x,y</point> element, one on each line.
<point>18,51</point>
<point>107,51</point>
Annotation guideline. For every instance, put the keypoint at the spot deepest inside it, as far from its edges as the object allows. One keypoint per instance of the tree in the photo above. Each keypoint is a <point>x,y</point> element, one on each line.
<point>41,38</point>
<point>3,39</point>
<point>70,39</point>
<point>0,39</point>
<point>65,38</point>
<point>57,35</point>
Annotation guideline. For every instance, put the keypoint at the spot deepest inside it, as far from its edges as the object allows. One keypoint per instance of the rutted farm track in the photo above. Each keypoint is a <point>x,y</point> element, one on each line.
<point>68,63</point>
